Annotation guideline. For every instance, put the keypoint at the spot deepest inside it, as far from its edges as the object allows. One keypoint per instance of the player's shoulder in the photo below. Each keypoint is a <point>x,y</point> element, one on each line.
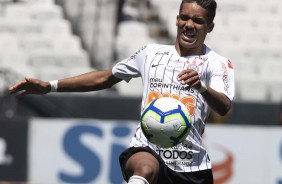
<point>218,58</point>
<point>215,56</point>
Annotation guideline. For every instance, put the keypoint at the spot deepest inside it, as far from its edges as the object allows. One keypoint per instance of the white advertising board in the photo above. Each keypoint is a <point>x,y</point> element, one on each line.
<point>245,154</point>
<point>87,150</point>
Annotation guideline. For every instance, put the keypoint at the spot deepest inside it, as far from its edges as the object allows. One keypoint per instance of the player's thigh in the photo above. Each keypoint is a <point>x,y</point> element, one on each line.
<point>143,163</point>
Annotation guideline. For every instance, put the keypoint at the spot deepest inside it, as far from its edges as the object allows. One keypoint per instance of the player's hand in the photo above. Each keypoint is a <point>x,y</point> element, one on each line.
<point>30,86</point>
<point>189,77</point>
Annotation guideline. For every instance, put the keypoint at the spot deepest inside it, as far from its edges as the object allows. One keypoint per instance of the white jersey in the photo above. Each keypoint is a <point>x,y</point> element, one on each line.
<point>158,66</point>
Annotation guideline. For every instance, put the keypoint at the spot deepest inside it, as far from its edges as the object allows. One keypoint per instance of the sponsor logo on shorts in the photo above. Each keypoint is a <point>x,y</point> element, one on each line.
<point>179,155</point>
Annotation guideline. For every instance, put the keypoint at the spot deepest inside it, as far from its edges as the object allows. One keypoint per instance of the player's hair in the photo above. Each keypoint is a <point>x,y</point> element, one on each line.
<point>209,5</point>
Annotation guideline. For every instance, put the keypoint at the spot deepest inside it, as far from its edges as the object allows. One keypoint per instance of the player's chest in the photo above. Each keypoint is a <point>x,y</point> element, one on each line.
<point>169,65</point>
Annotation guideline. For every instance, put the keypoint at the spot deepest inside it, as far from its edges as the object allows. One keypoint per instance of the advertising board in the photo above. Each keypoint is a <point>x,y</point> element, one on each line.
<point>13,150</point>
<point>87,150</point>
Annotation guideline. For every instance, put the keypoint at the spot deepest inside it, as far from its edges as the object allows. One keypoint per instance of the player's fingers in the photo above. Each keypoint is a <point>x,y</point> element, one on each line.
<point>186,74</point>
<point>182,75</point>
<point>190,81</point>
<point>22,85</point>
<point>183,72</point>
<point>187,77</point>
<point>18,86</point>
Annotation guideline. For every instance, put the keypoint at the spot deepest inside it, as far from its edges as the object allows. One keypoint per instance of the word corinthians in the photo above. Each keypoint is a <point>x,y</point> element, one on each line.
<point>158,83</point>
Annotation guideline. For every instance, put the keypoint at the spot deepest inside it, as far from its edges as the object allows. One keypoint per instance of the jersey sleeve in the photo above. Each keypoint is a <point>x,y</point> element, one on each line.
<point>131,67</point>
<point>222,77</point>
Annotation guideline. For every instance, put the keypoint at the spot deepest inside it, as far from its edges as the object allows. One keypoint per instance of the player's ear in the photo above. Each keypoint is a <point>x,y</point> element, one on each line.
<point>210,27</point>
<point>177,18</point>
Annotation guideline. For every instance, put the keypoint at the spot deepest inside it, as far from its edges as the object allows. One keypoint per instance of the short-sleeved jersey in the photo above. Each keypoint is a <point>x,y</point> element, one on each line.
<point>158,66</point>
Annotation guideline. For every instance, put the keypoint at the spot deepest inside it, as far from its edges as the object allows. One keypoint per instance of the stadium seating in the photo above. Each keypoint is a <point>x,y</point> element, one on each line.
<point>167,17</point>
<point>51,72</point>
<point>47,42</point>
<point>125,46</point>
<point>58,58</point>
<point>95,23</point>
<point>37,41</point>
<point>34,11</point>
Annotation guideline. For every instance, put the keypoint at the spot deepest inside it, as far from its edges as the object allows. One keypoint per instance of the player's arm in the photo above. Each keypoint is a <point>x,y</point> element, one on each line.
<point>219,102</point>
<point>91,81</point>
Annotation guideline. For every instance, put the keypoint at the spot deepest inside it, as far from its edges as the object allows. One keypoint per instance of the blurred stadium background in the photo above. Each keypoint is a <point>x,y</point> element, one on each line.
<point>76,138</point>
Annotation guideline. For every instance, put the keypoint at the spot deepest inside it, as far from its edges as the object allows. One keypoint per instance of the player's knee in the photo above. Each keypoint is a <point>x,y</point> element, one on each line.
<point>148,171</point>
<point>142,164</point>
<point>144,170</point>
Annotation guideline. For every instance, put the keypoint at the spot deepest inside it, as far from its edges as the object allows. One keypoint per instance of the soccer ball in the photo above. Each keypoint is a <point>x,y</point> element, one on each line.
<point>165,122</point>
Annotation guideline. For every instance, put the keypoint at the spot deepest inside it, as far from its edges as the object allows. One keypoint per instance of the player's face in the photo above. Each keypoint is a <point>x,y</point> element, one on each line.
<point>192,28</point>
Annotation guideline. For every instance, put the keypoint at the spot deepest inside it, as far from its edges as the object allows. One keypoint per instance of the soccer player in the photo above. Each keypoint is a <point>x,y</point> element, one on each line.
<point>188,71</point>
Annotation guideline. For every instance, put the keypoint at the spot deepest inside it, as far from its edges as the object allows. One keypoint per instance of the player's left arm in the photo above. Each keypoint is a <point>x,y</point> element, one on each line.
<point>91,81</point>
<point>218,101</point>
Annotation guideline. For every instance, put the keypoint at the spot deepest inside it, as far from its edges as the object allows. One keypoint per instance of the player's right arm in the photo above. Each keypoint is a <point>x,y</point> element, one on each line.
<point>91,81</point>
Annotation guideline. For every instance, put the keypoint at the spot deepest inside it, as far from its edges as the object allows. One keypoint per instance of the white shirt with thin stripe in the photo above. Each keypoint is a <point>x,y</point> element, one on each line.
<point>158,66</point>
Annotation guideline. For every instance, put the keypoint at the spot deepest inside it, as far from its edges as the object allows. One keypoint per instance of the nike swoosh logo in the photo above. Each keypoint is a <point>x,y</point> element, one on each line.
<point>156,65</point>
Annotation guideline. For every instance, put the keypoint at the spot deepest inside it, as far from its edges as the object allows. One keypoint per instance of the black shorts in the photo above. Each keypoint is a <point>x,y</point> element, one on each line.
<point>166,175</point>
